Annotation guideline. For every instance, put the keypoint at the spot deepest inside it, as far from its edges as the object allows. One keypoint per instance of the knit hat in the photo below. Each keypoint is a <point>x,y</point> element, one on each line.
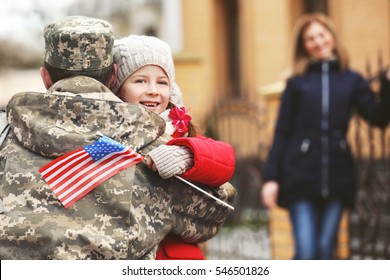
<point>136,51</point>
<point>79,43</point>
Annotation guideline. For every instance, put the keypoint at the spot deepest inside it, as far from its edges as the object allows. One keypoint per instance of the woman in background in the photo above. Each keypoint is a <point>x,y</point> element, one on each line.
<point>309,169</point>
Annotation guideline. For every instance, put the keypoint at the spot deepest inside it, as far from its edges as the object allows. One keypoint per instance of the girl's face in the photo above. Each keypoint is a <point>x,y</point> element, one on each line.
<point>149,87</point>
<point>318,41</point>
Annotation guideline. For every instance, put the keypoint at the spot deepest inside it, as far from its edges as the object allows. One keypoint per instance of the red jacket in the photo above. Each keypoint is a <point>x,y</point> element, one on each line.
<point>214,163</point>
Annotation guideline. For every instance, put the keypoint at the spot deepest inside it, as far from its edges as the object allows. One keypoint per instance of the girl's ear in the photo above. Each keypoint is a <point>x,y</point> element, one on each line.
<point>46,77</point>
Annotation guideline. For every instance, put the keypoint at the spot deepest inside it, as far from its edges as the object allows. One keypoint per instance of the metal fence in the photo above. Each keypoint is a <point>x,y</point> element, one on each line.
<point>370,219</point>
<point>239,122</point>
<point>245,236</point>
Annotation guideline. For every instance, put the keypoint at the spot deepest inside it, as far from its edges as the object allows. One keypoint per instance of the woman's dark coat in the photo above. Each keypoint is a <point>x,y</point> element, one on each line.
<point>310,156</point>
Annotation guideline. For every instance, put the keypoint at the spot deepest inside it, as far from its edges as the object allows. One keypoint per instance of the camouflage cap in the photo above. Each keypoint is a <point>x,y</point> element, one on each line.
<point>79,43</point>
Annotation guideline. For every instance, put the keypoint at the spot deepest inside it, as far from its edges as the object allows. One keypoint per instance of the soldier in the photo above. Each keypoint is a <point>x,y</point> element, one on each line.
<point>125,217</point>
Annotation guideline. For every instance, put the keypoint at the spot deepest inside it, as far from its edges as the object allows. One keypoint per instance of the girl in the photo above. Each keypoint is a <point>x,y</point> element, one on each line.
<point>146,76</point>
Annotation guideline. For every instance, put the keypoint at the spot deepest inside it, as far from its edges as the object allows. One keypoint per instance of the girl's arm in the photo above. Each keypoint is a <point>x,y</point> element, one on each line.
<point>198,159</point>
<point>213,161</point>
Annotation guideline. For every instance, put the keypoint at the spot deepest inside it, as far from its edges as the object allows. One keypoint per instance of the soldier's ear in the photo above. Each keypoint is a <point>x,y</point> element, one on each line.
<point>46,77</point>
<point>113,77</point>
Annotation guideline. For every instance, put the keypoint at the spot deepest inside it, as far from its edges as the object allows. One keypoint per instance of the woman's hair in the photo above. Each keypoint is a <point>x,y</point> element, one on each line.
<point>103,75</point>
<point>300,58</point>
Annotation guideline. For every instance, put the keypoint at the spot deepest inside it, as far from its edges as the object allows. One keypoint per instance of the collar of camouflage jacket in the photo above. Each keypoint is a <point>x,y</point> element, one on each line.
<point>61,121</point>
<point>84,87</point>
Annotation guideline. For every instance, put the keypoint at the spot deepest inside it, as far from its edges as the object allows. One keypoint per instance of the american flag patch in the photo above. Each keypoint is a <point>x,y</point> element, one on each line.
<point>76,173</point>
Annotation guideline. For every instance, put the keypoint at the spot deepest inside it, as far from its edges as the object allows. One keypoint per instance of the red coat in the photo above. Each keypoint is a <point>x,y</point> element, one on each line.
<point>173,248</point>
<point>214,163</point>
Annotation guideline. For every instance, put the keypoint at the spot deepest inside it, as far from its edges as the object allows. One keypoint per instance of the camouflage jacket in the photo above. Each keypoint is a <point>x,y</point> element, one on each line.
<point>123,218</point>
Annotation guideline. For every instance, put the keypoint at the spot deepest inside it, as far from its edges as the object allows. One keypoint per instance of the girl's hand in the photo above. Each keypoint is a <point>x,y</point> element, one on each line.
<point>170,160</point>
<point>269,193</point>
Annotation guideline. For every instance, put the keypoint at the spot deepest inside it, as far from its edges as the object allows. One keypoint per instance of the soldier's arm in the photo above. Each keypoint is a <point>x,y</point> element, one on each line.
<point>197,217</point>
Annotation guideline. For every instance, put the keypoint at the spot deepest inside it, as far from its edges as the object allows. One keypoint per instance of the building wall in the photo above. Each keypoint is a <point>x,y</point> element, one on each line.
<point>364,28</point>
<point>190,78</point>
<point>265,35</point>
<point>198,41</point>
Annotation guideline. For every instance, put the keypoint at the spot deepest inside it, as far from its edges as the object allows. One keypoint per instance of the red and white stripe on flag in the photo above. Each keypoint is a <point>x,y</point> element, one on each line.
<point>76,173</point>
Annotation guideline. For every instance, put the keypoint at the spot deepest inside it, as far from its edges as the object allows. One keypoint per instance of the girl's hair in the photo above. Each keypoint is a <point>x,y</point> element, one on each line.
<point>301,59</point>
<point>193,129</point>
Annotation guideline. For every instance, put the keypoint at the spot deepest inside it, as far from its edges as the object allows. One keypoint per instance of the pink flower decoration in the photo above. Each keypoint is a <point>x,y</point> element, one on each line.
<point>180,118</point>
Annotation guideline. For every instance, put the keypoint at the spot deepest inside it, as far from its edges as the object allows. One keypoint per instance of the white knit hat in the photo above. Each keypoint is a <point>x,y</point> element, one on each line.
<point>136,51</point>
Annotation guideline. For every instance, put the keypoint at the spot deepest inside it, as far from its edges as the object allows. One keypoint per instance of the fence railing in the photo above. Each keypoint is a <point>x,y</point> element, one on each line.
<point>239,122</point>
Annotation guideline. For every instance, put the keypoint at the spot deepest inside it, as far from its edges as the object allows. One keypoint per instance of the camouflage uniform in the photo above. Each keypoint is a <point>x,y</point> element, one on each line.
<point>125,217</point>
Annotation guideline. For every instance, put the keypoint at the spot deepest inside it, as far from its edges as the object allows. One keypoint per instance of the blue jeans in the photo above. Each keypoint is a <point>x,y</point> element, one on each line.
<point>315,227</point>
